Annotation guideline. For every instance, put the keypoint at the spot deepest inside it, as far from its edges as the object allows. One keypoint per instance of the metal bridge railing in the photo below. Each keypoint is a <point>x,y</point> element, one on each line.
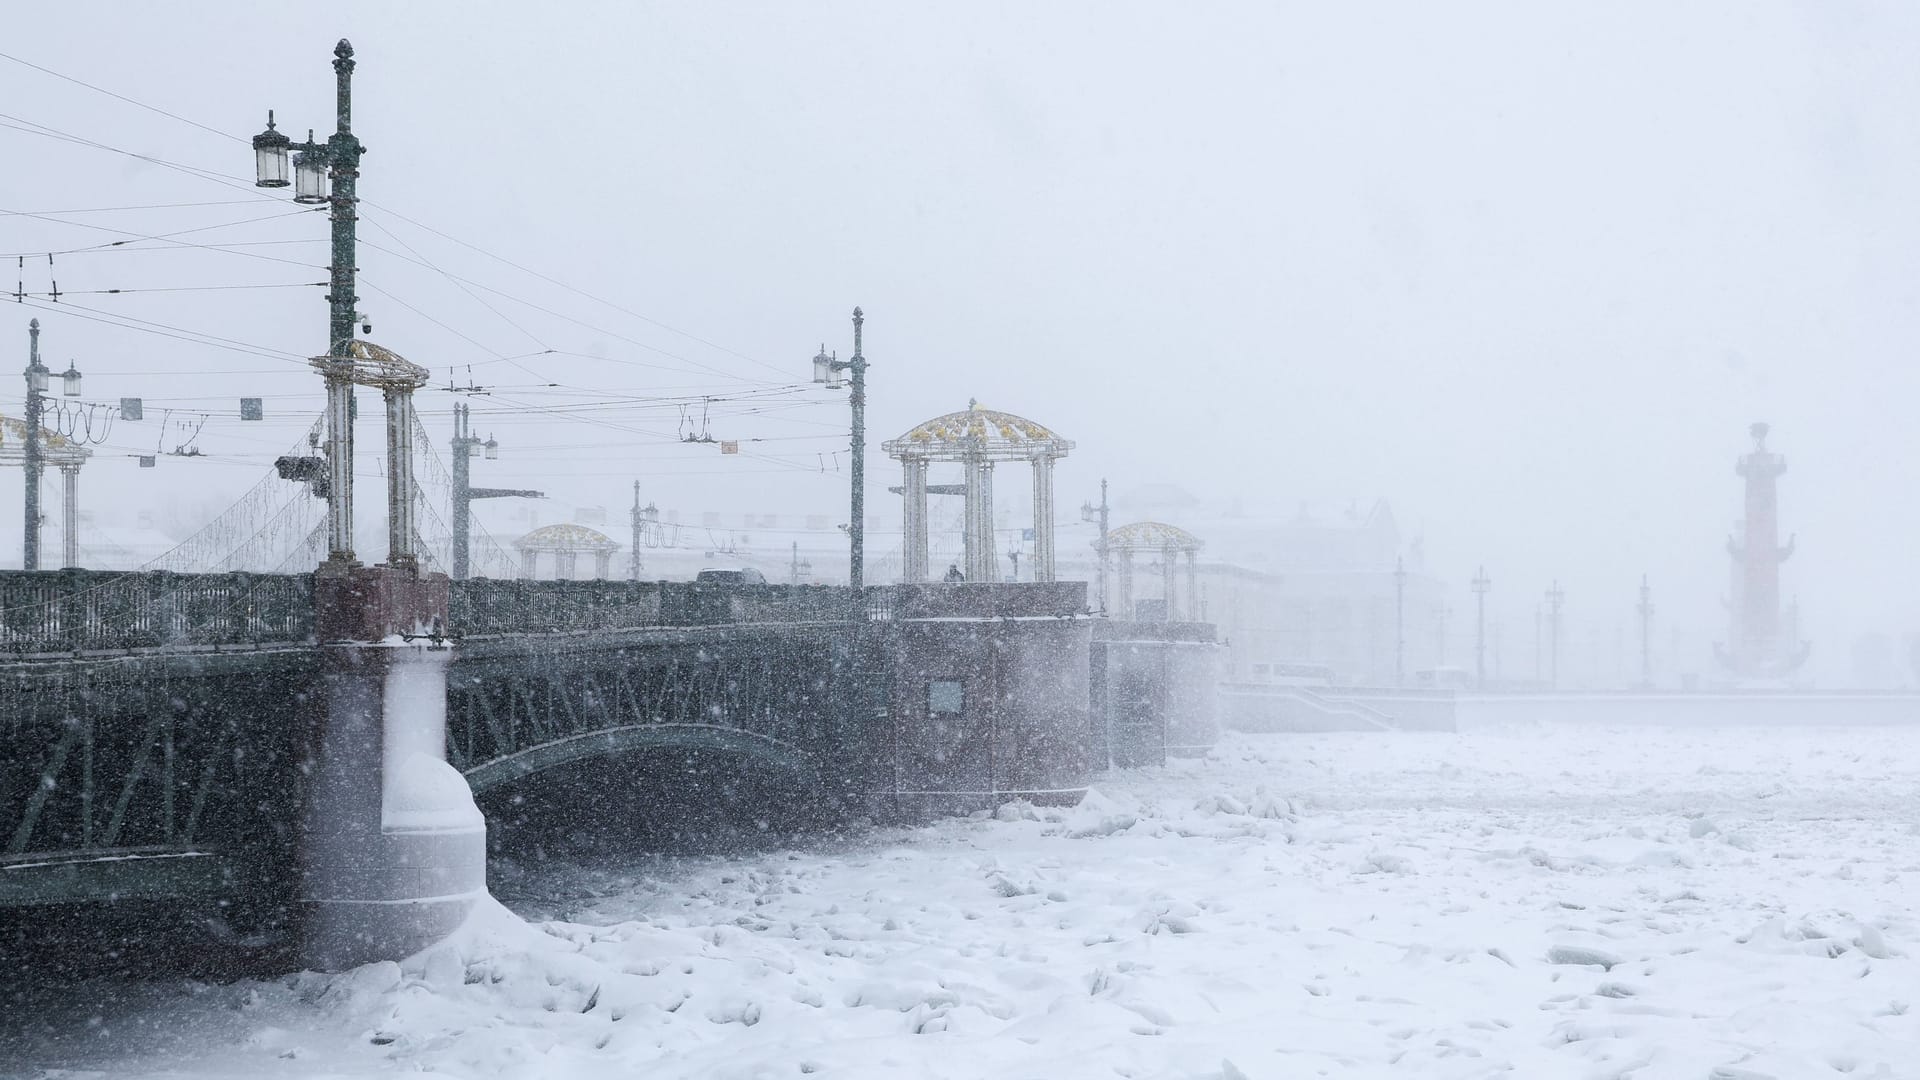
<point>481,606</point>
<point>68,611</point>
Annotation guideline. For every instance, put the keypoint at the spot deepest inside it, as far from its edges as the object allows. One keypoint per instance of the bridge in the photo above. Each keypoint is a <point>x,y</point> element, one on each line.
<point>302,753</point>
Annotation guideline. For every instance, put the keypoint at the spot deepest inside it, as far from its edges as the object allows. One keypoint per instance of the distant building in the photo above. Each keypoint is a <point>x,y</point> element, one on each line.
<point>1313,589</point>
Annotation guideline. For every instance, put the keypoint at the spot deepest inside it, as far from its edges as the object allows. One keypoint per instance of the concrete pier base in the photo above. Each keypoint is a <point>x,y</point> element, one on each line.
<point>393,850</point>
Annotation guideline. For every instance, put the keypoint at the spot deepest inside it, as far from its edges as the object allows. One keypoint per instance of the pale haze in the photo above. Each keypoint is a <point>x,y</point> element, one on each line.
<point>1525,271</point>
<point>1357,540</point>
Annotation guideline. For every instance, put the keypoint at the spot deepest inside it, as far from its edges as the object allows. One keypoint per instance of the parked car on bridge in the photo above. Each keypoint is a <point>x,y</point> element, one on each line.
<point>743,575</point>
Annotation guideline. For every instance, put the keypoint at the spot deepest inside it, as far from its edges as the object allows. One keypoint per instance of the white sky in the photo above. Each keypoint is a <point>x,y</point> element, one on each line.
<point>1526,270</point>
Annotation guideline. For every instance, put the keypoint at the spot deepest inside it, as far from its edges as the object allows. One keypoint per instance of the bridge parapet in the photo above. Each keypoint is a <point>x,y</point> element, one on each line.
<point>484,607</point>
<point>76,611</point>
<point>984,600</point>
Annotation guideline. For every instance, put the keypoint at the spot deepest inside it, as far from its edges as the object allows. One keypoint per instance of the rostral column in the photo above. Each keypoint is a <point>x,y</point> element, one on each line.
<point>1754,648</point>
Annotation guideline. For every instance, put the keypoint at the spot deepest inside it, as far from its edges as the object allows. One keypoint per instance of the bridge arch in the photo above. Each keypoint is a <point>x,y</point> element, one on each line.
<point>612,742</point>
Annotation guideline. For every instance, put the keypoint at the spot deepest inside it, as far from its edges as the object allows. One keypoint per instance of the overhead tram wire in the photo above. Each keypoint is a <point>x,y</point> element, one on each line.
<point>224,179</point>
<point>121,97</point>
<point>128,322</point>
<point>577,291</point>
<point>171,237</point>
<point>254,192</point>
<point>501,315</point>
<point>177,288</point>
<point>579,322</point>
<point>121,209</point>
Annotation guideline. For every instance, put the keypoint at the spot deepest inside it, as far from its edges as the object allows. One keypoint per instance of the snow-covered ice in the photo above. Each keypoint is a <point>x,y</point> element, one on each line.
<point>1535,902</point>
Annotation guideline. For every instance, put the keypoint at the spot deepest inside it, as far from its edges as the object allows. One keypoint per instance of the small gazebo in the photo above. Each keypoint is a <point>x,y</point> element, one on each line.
<point>1169,542</point>
<point>566,543</point>
<point>62,453</point>
<point>977,438</point>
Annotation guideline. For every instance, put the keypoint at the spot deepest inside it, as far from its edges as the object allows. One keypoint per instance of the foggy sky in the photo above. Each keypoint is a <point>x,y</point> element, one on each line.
<point>1525,270</point>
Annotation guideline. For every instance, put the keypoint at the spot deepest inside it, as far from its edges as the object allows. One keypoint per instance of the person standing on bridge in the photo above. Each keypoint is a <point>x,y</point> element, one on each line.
<point>954,576</point>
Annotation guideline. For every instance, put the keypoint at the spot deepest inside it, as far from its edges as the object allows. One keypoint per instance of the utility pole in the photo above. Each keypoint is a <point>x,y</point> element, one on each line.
<point>1645,609</point>
<point>1539,646</point>
<point>1481,585</point>
<point>637,520</point>
<point>826,371</point>
<point>36,374</point>
<point>465,445</point>
<point>1399,621</point>
<point>1555,598</point>
<point>1090,512</point>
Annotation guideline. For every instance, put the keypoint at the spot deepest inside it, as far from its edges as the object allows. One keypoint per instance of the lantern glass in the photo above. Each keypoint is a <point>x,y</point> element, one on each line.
<point>270,157</point>
<point>70,381</point>
<point>309,178</point>
<point>37,378</point>
<point>492,448</point>
<point>834,379</point>
<point>822,369</point>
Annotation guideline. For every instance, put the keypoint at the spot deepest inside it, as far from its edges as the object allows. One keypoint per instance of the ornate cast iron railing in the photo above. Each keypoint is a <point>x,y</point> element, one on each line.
<point>71,611</point>
<point>486,607</point>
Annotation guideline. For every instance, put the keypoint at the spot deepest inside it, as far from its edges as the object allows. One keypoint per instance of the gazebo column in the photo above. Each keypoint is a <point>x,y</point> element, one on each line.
<point>1167,558</point>
<point>978,539</point>
<point>1042,557</point>
<point>565,564</point>
<point>70,515</point>
<point>530,564</point>
<point>602,565</point>
<point>913,502</point>
<point>1192,613</point>
<point>1126,583</point>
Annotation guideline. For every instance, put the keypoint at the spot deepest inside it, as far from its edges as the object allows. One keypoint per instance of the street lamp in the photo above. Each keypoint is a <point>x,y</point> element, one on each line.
<point>826,372</point>
<point>36,375</point>
<point>1481,585</point>
<point>465,445</point>
<point>1098,514</point>
<point>270,156</point>
<point>1646,625</point>
<point>1554,599</point>
<point>337,160</point>
<point>1399,621</point>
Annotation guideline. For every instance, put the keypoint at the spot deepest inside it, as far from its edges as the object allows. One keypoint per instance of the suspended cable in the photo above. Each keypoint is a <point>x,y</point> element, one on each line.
<point>128,322</point>
<point>224,179</point>
<point>577,291</point>
<point>118,209</point>
<point>177,288</point>
<point>122,97</point>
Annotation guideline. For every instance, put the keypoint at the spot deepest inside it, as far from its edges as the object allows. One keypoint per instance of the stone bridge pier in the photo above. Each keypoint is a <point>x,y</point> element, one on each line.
<point>392,852</point>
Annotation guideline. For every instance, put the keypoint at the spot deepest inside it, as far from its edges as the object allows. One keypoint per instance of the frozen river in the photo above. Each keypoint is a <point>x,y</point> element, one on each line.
<point>1714,904</point>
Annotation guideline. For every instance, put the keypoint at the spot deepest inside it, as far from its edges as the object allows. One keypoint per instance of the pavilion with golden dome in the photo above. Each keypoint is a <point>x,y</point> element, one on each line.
<point>977,439</point>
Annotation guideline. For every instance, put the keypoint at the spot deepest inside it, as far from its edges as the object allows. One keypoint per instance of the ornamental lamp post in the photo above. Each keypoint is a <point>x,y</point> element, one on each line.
<point>1555,597</point>
<point>465,445</point>
<point>337,160</point>
<point>36,376</point>
<point>826,372</point>
<point>1481,585</point>
<point>1399,621</point>
<point>1645,608</point>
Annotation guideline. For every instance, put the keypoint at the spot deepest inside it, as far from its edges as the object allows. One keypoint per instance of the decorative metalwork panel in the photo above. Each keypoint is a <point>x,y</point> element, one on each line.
<point>72,611</point>
<point>777,684</point>
<point>151,754</point>
<point>484,607</point>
